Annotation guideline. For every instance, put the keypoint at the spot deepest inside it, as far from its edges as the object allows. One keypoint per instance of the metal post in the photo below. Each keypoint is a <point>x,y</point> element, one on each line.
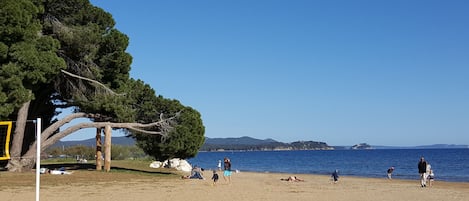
<point>38,157</point>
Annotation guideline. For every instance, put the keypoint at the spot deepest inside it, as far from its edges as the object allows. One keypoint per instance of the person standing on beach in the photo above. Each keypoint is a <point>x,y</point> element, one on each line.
<point>390,170</point>
<point>335,176</point>
<point>219,165</point>
<point>422,165</point>
<point>429,168</point>
<point>227,172</point>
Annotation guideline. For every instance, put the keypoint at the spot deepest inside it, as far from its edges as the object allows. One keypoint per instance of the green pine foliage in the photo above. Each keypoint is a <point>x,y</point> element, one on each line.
<point>183,141</point>
<point>39,39</point>
<point>28,59</point>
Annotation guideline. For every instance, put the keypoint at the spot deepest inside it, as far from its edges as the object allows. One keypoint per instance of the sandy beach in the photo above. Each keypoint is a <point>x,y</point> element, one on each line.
<point>244,186</point>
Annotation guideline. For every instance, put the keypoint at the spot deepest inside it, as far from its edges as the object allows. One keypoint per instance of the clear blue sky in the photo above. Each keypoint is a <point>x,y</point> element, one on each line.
<point>339,71</point>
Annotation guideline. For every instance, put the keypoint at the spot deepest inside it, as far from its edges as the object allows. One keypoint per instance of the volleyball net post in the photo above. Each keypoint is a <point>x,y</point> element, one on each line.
<point>5,133</point>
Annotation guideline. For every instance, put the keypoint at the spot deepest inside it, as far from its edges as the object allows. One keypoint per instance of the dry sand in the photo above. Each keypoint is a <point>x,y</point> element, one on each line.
<point>244,186</point>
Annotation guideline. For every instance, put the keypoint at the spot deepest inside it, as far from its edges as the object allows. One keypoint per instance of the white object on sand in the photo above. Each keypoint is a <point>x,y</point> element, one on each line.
<point>59,172</point>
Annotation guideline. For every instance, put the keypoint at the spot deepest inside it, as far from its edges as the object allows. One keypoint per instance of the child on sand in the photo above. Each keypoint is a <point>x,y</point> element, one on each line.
<point>431,177</point>
<point>215,177</point>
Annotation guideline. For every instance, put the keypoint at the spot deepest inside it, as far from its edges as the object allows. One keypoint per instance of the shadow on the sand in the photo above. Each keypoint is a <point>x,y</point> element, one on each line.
<point>92,166</point>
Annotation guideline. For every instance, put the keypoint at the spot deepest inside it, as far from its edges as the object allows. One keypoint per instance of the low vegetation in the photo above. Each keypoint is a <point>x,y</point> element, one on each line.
<point>118,152</point>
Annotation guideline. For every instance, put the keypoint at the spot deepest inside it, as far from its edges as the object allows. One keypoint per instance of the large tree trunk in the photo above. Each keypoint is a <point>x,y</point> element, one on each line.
<point>16,164</point>
<point>21,165</point>
<point>49,136</point>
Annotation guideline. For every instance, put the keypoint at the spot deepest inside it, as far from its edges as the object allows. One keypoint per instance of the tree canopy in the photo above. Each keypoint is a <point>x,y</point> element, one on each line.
<point>58,54</point>
<point>185,138</point>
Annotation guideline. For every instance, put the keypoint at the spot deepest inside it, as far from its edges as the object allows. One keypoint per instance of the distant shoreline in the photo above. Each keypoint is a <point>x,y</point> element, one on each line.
<point>396,148</point>
<point>248,141</point>
<point>352,176</point>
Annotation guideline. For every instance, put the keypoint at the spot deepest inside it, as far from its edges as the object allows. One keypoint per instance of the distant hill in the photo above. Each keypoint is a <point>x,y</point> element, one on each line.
<point>219,144</point>
<point>249,143</point>
<point>240,140</point>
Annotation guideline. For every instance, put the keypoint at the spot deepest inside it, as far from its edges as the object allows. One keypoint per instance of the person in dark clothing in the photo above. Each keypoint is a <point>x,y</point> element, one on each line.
<point>227,172</point>
<point>335,176</point>
<point>215,177</point>
<point>390,170</point>
<point>422,166</point>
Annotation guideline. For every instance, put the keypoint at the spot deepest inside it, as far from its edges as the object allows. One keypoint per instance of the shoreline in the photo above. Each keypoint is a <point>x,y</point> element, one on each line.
<point>353,176</point>
<point>243,186</point>
<point>384,178</point>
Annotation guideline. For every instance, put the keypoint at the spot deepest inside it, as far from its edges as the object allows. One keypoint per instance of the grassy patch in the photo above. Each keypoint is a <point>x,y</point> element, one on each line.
<point>83,173</point>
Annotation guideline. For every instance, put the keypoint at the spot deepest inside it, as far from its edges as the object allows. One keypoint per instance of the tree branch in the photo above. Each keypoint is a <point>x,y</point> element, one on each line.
<point>131,126</point>
<point>90,80</point>
<point>55,126</point>
<point>164,125</point>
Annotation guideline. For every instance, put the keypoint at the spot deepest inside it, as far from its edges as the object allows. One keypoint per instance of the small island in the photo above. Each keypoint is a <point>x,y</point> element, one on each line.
<point>361,146</point>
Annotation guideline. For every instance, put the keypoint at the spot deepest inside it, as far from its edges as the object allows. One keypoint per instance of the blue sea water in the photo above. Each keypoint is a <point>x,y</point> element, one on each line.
<point>448,164</point>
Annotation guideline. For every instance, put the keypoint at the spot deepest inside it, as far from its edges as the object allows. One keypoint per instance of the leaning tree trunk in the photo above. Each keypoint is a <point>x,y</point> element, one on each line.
<point>25,162</point>
<point>16,163</point>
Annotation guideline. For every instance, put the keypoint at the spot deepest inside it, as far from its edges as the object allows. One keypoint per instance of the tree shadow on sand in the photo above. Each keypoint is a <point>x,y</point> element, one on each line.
<point>92,167</point>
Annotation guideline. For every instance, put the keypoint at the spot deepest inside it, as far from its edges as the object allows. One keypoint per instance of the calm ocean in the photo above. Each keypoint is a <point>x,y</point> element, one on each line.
<point>448,164</point>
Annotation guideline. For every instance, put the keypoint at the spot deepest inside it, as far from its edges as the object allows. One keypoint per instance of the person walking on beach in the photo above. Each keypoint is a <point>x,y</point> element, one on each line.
<point>422,166</point>
<point>335,176</point>
<point>390,170</point>
<point>215,177</point>
<point>227,172</point>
